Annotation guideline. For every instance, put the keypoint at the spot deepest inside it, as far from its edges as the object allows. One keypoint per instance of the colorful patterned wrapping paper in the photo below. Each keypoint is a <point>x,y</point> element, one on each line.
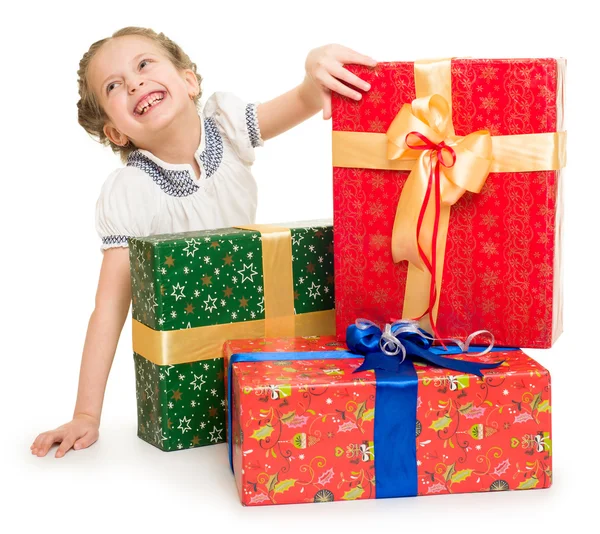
<point>302,430</point>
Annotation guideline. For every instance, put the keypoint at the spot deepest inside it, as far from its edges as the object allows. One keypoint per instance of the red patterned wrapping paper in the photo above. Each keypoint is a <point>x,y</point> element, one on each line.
<point>502,268</point>
<point>303,430</point>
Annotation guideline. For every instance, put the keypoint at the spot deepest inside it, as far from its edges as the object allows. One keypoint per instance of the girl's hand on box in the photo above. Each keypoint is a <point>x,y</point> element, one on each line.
<point>80,433</point>
<point>325,67</point>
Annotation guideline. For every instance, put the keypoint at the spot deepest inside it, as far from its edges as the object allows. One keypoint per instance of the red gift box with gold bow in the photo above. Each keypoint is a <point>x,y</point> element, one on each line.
<point>447,199</point>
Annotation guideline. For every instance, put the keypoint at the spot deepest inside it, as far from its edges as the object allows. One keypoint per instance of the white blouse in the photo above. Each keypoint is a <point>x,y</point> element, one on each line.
<point>149,196</point>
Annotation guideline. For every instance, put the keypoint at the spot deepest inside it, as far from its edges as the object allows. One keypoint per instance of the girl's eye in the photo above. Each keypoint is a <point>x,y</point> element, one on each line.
<point>109,86</point>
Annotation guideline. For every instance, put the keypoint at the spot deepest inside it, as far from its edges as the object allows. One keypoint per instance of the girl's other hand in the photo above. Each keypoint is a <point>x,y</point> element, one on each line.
<point>80,433</point>
<point>325,67</point>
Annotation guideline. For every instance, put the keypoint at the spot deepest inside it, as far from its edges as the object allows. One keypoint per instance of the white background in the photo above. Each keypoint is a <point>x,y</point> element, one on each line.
<point>50,178</point>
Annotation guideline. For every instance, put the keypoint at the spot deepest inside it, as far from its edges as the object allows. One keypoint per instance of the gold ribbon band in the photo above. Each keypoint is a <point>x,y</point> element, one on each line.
<point>537,152</point>
<point>278,279</point>
<point>206,342</point>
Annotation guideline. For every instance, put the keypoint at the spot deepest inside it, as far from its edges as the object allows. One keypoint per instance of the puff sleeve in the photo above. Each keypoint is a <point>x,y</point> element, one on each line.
<point>125,208</point>
<point>238,121</point>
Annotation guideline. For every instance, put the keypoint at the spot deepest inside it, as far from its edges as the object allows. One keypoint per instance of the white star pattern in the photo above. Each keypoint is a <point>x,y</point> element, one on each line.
<point>161,321</point>
<point>159,436</point>
<point>233,315</point>
<point>248,272</point>
<point>259,289</point>
<point>311,248</point>
<point>297,238</point>
<point>178,287</point>
<point>202,425</point>
<point>173,314</point>
<point>163,271</point>
<point>206,259</point>
<point>198,382</point>
<point>249,255</point>
<point>185,421</point>
<point>213,392</point>
<point>196,293</point>
<point>152,302</point>
<point>191,247</point>
<point>215,435</point>
<point>186,270</point>
<point>206,366</point>
<point>209,304</point>
<point>141,259</point>
<point>181,377</point>
<point>217,271</point>
<point>235,248</point>
<point>261,305</point>
<point>313,291</point>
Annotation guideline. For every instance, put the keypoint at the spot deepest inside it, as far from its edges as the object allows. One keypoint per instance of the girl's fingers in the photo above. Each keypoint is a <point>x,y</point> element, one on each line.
<point>86,440</point>
<point>66,444</point>
<point>335,85</point>
<point>46,440</point>
<point>326,97</point>
<point>344,74</point>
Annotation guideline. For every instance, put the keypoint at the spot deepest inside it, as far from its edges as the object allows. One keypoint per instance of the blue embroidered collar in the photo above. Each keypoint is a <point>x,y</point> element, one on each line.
<point>178,179</point>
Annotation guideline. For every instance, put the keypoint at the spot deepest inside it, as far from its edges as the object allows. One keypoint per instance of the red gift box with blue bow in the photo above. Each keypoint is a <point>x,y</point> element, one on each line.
<point>387,415</point>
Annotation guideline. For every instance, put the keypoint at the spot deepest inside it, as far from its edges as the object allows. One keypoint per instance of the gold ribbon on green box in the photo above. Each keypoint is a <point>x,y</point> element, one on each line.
<point>206,342</point>
<point>443,166</point>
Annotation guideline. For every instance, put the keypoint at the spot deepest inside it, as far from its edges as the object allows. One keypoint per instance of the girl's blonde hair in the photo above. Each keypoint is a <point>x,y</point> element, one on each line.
<point>89,112</point>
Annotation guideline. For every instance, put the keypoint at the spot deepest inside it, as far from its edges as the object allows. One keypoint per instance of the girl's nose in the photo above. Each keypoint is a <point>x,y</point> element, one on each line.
<point>135,85</point>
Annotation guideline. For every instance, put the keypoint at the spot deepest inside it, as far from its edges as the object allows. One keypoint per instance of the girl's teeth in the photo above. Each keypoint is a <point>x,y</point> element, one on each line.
<point>148,104</point>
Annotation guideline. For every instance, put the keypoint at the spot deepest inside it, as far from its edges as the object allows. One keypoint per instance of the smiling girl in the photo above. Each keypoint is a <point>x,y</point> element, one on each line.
<point>184,170</point>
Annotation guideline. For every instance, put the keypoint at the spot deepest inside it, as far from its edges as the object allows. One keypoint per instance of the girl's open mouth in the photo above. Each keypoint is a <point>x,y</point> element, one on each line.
<point>150,102</point>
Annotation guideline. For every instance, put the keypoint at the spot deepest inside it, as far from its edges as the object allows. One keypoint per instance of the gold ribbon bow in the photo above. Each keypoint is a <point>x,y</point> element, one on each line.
<point>472,158</point>
<point>421,139</point>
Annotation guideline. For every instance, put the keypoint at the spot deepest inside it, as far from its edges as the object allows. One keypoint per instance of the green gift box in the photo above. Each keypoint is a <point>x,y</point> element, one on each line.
<point>193,291</point>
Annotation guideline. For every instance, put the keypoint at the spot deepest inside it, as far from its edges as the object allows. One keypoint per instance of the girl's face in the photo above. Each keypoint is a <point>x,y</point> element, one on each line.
<point>130,71</point>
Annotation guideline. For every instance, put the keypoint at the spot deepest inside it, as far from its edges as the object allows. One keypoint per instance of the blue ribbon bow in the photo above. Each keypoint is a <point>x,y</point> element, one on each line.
<point>382,350</point>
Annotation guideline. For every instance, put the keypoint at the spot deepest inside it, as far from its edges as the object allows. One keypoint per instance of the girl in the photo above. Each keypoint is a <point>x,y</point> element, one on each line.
<point>185,170</point>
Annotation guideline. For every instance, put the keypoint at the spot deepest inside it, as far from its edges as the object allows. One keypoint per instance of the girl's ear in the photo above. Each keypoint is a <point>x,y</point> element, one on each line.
<point>192,81</point>
<point>115,136</point>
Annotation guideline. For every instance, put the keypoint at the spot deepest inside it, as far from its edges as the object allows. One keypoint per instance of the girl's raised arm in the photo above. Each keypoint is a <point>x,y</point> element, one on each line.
<point>325,72</point>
